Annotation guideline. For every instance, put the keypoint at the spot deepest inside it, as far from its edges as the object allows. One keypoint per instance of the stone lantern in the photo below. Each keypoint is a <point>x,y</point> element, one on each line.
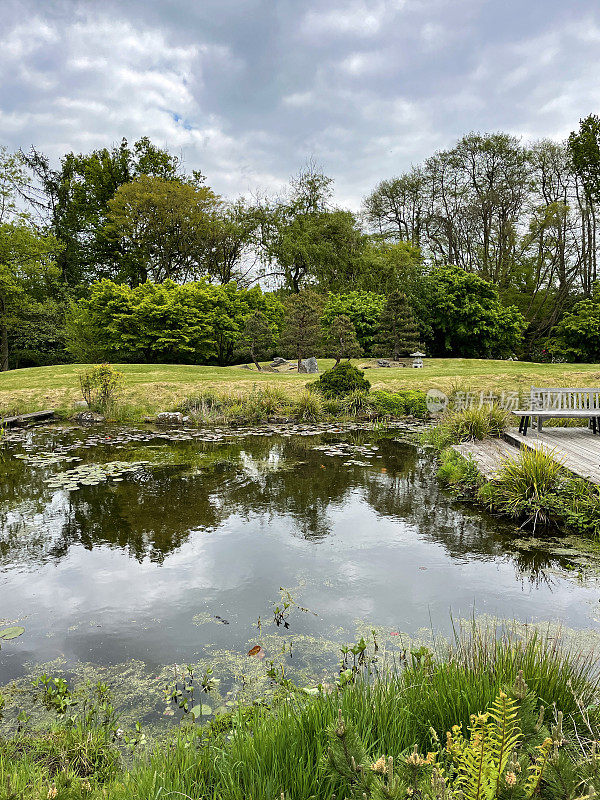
<point>417,358</point>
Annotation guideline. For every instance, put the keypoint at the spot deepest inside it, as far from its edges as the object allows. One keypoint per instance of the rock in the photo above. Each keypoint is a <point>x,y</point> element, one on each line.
<point>89,417</point>
<point>278,361</point>
<point>80,404</point>
<point>169,418</point>
<point>309,365</point>
<point>383,362</point>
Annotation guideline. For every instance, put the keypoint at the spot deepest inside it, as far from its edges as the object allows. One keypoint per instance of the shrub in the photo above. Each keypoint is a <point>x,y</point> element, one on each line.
<point>308,407</point>
<point>467,425</point>
<point>459,473</point>
<point>100,387</point>
<point>411,402</point>
<point>341,380</point>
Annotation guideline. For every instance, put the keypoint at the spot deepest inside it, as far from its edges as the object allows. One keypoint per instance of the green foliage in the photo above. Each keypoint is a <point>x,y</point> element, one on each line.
<point>467,318</point>
<point>308,407</point>
<point>341,380</point>
<point>468,424</point>
<point>356,402</point>
<point>535,487</point>
<point>168,322</point>
<point>27,280</point>
<point>584,149</point>
<point>459,473</point>
<point>162,229</point>
<point>301,332</point>
<point>339,339</point>
<point>100,387</point>
<point>257,337</point>
<point>398,333</point>
<point>77,197</point>
<point>409,402</point>
<point>577,336</point>
<point>362,308</point>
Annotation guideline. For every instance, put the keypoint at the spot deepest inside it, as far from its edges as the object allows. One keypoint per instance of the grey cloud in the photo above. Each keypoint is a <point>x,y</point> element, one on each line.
<point>248,89</point>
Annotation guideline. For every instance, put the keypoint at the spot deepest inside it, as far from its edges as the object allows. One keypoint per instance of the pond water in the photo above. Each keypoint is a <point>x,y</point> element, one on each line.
<point>179,551</point>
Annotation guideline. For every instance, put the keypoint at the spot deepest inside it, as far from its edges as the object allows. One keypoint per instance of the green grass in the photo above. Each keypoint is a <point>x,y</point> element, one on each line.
<point>261,753</point>
<point>154,387</point>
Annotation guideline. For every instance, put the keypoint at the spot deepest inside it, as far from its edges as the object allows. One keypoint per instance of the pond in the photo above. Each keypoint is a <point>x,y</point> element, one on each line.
<point>125,546</point>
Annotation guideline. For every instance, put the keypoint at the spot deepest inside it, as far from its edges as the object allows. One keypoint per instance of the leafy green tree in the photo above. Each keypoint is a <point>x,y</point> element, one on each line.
<point>301,333</point>
<point>230,237</point>
<point>577,335</point>
<point>398,333</point>
<point>339,339</point>
<point>162,228</point>
<point>27,278</point>
<point>74,200</point>
<point>584,149</point>
<point>466,317</point>
<point>195,323</point>
<point>12,182</point>
<point>303,240</point>
<point>363,309</point>
<point>258,336</point>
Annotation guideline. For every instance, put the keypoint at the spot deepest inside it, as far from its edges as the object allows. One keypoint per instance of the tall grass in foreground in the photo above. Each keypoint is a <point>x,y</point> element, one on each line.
<point>283,750</point>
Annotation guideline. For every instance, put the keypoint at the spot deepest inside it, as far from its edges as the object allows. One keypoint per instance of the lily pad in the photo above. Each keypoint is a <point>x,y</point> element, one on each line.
<point>12,632</point>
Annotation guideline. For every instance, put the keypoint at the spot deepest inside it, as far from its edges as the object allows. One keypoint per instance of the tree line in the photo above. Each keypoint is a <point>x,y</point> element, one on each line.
<point>486,250</point>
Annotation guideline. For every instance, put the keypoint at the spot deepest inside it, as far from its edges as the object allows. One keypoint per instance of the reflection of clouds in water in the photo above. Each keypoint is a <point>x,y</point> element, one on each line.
<point>386,546</point>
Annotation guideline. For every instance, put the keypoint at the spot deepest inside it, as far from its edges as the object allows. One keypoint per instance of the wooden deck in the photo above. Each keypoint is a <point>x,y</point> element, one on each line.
<point>487,454</point>
<point>26,419</point>
<point>576,448</point>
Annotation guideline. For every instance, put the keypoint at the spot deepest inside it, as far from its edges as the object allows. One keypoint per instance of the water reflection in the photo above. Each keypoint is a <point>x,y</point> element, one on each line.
<point>215,528</point>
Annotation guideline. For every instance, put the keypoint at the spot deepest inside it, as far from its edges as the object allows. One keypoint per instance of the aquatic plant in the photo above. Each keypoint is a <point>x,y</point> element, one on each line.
<point>308,407</point>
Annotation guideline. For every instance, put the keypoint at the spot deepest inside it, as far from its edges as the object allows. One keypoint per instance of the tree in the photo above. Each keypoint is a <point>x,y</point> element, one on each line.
<point>74,201</point>
<point>12,181</point>
<point>577,335</point>
<point>194,323</point>
<point>230,236</point>
<point>398,333</point>
<point>302,329</point>
<point>584,149</point>
<point>364,310</point>
<point>466,317</point>
<point>162,228</point>
<point>257,336</point>
<point>26,277</point>
<point>303,240</point>
<point>339,340</point>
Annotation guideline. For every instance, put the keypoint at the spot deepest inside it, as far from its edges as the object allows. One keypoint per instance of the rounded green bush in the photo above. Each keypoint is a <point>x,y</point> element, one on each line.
<point>341,380</point>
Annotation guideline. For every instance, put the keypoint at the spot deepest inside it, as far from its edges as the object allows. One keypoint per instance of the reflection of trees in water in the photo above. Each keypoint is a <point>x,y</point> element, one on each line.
<point>284,479</point>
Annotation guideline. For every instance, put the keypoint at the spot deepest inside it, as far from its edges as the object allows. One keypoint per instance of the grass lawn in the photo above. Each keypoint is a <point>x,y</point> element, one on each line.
<point>156,387</point>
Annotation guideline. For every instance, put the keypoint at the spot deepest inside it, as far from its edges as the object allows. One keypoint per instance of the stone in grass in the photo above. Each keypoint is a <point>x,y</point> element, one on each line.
<point>309,365</point>
<point>383,362</point>
<point>89,417</point>
<point>169,418</point>
<point>278,361</point>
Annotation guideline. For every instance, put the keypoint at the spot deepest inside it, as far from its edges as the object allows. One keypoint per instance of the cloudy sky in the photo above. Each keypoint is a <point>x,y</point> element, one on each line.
<point>247,90</point>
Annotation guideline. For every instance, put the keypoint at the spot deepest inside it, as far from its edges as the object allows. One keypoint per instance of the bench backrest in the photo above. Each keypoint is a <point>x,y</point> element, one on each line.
<point>559,399</point>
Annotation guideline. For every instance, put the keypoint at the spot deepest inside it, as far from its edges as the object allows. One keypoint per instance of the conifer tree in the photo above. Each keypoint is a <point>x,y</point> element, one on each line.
<point>398,334</point>
<point>340,340</point>
<point>302,327</point>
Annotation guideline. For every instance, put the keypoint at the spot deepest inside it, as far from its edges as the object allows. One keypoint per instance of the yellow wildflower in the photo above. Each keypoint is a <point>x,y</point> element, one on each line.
<point>52,792</point>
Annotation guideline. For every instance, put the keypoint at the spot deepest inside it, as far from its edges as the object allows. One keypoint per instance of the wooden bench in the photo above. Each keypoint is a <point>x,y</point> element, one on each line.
<point>546,403</point>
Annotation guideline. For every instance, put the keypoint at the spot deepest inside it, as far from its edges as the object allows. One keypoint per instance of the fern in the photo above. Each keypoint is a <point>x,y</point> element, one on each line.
<point>536,770</point>
<point>504,733</point>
